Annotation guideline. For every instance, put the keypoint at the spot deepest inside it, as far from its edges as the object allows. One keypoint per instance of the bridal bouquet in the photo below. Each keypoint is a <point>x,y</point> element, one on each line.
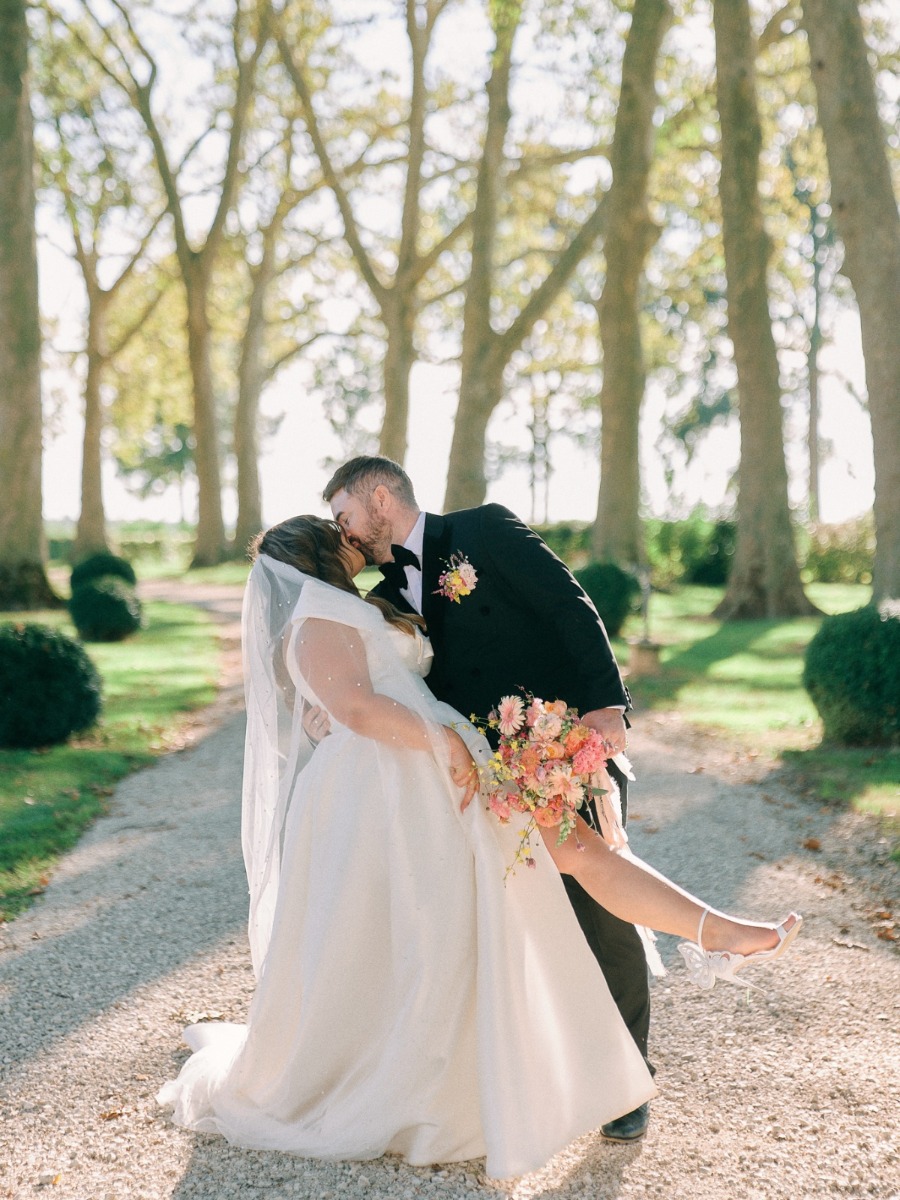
<point>546,766</point>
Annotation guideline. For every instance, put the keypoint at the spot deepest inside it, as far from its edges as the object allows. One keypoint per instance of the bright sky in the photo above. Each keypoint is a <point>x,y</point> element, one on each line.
<point>293,469</point>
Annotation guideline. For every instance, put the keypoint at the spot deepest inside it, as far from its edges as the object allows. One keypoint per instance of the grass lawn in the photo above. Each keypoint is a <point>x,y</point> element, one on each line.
<point>48,797</point>
<point>742,678</point>
<point>738,679</point>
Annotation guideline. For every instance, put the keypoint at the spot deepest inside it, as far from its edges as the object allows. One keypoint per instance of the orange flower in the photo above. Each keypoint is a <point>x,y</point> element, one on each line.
<point>559,708</point>
<point>555,750</point>
<point>528,760</point>
<point>548,816</point>
<point>576,738</point>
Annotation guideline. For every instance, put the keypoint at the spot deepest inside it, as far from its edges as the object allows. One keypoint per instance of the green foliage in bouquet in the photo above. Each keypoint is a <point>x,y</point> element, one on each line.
<point>49,688</point>
<point>105,610</point>
<point>852,674</point>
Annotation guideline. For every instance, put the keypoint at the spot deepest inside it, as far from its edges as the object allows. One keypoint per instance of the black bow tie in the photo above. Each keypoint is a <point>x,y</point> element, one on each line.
<point>395,572</point>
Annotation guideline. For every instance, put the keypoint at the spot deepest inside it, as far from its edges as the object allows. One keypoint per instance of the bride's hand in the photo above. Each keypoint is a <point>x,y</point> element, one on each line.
<point>463,771</point>
<point>316,724</point>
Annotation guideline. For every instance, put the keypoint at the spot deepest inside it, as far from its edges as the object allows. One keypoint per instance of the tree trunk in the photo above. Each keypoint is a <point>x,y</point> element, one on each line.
<point>252,377</point>
<point>485,351</point>
<point>812,438</point>
<point>765,577</point>
<point>210,547</point>
<point>23,578</point>
<point>398,315</point>
<point>90,535</point>
<point>630,233</point>
<point>466,482</point>
<point>866,219</point>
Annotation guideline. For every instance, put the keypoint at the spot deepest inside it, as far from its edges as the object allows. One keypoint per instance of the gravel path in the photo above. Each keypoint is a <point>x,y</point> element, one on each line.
<point>791,1094</point>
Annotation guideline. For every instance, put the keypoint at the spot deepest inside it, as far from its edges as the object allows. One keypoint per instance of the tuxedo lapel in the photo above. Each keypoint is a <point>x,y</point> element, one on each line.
<point>435,552</point>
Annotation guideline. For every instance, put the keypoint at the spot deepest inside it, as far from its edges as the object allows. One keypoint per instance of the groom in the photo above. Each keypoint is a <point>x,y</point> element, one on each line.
<point>522,624</point>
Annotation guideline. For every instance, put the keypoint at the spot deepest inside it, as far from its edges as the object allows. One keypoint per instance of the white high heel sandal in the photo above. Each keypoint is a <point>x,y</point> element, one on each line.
<point>704,967</point>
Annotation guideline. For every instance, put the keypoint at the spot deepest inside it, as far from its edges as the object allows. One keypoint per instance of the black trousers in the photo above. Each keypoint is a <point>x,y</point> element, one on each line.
<point>619,950</point>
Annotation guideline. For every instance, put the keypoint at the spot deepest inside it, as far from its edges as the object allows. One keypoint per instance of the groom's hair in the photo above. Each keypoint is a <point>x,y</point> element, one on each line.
<point>363,474</point>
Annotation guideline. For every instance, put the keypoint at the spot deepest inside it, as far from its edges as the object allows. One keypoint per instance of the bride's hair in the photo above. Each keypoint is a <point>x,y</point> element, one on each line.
<point>315,546</point>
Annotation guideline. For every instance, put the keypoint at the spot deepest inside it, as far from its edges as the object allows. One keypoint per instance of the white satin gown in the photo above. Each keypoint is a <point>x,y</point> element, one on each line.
<point>410,1002</point>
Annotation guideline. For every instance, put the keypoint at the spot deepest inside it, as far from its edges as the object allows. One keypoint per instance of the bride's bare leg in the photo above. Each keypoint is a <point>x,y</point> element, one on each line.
<point>635,892</point>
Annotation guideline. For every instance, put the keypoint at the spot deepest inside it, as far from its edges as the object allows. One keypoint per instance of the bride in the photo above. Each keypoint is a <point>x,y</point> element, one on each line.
<point>408,1001</point>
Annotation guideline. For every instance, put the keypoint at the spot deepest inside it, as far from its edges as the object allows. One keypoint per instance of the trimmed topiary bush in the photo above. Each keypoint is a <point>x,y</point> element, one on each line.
<point>615,593</point>
<point>49,688</point>
<point>99,565</point>
<point>852,673</point>
<point>105,610</point>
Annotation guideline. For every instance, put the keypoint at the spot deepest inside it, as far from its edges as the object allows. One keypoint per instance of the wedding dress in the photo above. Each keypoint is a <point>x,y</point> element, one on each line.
<point>408,1000</point>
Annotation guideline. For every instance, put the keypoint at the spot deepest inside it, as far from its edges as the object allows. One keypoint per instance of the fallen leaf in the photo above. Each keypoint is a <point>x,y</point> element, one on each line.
<point>196,1018</point>
<point>890,934</point>
<point>883,914</point>
<point>112,1115</point>
<point>812,843</point>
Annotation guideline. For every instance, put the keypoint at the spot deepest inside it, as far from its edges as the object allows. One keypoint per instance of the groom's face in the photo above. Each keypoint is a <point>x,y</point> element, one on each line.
<point>365,522</point>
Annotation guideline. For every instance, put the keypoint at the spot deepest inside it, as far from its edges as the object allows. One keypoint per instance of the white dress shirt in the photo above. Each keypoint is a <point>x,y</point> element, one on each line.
<point>416,540</point>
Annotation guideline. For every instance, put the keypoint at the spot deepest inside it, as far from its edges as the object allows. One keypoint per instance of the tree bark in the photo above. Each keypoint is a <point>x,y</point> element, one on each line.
<point>23,578</point>
<point>399,316</point>
<point>252,376</point>
<point>866,219</point>
<point>397,294</point>
<point>90,534</point>
<point>812,437</point>
<point>765,577</point>
<point>210,546</point>
<point>481,378</point>
<point>197,265</point>
<point>486,351</point>
<point>630,233</point>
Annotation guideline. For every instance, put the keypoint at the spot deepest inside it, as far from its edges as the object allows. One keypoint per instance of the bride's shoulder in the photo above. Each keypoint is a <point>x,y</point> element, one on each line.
<point>328,603</point>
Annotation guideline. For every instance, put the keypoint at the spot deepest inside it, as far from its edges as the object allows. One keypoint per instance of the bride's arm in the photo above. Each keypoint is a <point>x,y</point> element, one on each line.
<point>332,659</point>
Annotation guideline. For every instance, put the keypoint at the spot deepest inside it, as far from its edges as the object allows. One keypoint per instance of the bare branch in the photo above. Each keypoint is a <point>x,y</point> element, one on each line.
<point>560,273</point>
<point>426,261</point>
<point>275,366</point>
<point>351,230</point>
<point>138,323</point>
<point>782,24</point>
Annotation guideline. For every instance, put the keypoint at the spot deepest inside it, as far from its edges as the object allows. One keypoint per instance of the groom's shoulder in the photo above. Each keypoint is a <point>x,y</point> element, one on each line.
<point>483,514</point>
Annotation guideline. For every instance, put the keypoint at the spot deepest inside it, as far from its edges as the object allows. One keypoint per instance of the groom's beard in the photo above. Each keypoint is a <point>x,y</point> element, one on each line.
<point>375,542</point>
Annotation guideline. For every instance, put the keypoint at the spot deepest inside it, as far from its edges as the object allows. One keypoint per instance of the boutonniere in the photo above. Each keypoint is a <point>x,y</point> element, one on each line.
<point>458,580</point>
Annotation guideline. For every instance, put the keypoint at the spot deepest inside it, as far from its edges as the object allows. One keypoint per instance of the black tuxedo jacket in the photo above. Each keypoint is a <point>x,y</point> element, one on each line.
<point>527,625</point>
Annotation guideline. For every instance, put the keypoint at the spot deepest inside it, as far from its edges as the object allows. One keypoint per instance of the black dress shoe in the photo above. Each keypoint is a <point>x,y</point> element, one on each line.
<point>628,1128</point>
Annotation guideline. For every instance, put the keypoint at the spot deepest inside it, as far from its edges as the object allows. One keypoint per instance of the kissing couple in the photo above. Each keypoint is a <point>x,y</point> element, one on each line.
<point>412,997</point>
